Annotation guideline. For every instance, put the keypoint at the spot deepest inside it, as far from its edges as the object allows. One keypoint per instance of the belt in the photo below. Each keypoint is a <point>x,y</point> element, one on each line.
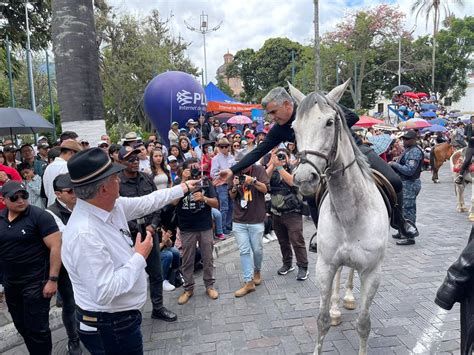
<point>91,316</point>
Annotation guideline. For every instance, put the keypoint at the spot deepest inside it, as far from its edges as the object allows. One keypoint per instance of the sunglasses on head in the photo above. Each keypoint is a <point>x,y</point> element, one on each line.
<point>23,195</point>
<point>224,146</point>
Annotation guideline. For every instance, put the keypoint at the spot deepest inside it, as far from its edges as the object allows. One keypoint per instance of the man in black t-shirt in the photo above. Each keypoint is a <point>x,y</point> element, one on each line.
<point>30,249</point>
<point>195,224</point>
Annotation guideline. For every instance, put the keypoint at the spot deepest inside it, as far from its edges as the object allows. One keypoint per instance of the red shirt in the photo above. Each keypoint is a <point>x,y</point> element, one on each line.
<point>12,174</point>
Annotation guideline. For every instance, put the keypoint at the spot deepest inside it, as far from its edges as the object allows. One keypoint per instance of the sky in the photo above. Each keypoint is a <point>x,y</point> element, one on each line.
<point>248,23</point>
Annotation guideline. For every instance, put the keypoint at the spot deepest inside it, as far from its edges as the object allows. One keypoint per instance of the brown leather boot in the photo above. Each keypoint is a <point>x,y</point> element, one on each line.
<point>257,278</point>
<point>246,288</point>
<point>185,296</point>
<point>212,293</point>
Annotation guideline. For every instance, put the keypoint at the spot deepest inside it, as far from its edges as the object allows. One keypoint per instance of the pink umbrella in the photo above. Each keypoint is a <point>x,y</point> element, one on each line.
<point>239,119</point>
<point>367,121</point>
<point>414,123</point>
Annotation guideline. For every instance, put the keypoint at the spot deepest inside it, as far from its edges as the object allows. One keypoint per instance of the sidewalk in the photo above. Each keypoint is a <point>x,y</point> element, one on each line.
<point>280,317</point>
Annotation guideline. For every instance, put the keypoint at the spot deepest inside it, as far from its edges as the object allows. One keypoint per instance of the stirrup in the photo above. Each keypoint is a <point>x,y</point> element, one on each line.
<point>313,245</point>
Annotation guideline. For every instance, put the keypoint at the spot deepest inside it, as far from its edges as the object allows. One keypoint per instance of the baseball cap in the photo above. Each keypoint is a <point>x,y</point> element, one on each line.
<point>172,158</point>
<point>12,187</point>
<point>43,146</point>
<point>102,142</point>
<point>126,151</point>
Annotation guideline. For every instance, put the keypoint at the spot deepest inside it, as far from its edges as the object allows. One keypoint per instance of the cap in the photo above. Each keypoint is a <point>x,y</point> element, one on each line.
<point>62,181</point>
<point>11,187</point>
<point>42,137</point>
<point>191,122</point>
<point>410,135</point>
<point>174,123</point>
<point>102,142</point>
<point>250,136</point>
<point>125,152</point>
<point>9,148</point>
<point>172,158</point>
<point>25,145</point>
<point>266,123</point>
<point>71,145</point>
<point>43,146</point>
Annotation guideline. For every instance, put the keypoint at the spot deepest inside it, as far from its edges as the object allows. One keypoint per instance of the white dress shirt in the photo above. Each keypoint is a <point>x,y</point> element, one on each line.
<point>57,167</point>
<point>107,275</point>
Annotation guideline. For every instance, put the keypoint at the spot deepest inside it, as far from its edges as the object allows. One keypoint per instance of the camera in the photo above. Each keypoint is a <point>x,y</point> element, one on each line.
<point>281,156</point>
<point>241,179</point>
<point>195,173</point>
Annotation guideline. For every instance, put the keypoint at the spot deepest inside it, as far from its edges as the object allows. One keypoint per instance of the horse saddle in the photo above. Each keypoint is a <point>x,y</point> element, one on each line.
<point>385,188</point>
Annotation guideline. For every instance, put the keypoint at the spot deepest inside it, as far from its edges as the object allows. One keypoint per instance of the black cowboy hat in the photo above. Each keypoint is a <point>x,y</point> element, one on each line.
<point>410,135</point>
<point>91,165</point>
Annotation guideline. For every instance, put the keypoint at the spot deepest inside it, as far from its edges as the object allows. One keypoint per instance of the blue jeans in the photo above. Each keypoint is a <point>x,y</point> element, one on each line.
<point>170,259</point>
<point>225,206</point>
<point>249,239</point>
<point>217,217</point>
<point>110,333</point>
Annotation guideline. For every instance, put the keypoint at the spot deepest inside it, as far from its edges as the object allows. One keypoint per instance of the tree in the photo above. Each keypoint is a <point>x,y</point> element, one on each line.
<point>243,66</point>
<point>221,84</point>
<point>428,8</point>
<point>77,61</point>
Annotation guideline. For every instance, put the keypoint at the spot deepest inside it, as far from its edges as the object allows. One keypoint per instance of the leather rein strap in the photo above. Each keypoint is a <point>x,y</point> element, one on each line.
<point>331,157</point>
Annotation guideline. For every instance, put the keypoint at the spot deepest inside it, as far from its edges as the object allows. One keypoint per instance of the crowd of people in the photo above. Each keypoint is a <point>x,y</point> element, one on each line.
<point>95,220</point>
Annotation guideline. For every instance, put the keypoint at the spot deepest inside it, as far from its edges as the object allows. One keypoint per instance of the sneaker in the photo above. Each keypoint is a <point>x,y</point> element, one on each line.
<point>285,269</point>
<point>220,236</point>
<point>167,286</point>
<point>266,239</point>
<point>302,273</point>
<point>272,235</point>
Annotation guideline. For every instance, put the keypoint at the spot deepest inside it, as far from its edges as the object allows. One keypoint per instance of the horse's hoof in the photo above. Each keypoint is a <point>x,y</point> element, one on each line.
<point>336,320</point>
<point>463,209</point>
<point>349,304</point>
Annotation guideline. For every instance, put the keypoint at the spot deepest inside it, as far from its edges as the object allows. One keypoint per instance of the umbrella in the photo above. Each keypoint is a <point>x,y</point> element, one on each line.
<point>422,94</point>
<point>380,143</point>
<point>21,121</point>
<point>427,107</point>
<point>411,95</point>
<point>385,127</point>
<point>434,128</point>
<point>414,123</point>
<point>401,88</point>
<point>455,114</point>
<point>239,119</point>
<point>453,111</point>
<point>428,114</point>
<point>439,121</point>
<point>367,121</point>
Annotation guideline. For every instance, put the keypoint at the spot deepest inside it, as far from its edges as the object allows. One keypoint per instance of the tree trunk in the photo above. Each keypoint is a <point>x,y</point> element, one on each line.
<point>77,61</point>
<point>317,48</point>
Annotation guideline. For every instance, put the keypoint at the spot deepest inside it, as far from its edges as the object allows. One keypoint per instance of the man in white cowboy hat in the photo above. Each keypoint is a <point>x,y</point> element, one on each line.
<point>130,139</point>
<point>193,131</point>
<point>107,270</point>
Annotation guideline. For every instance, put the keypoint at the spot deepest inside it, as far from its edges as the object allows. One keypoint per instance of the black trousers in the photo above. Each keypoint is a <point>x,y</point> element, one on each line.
<point>467,160</point>
<point>30,314</point>
<point>69,305</point>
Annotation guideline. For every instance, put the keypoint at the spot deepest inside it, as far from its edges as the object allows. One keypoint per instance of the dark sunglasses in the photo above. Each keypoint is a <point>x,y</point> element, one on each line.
<point>85,143</point>
<point>236,146</point>
<point>23,195</point>
<point>132,159</point>
<point>223,146</point>
<point>103,146</point>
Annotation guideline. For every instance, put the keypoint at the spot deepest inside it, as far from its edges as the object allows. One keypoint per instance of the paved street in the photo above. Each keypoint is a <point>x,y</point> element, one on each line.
<point>280,317</point>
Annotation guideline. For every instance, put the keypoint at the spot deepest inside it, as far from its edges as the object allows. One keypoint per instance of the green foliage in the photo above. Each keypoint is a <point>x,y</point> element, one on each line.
<point>221,84</point>
<point>15,26</point>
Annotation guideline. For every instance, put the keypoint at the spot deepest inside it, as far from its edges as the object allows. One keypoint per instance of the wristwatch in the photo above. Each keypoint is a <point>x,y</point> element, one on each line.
<point>205,200</point>
<point>53,278</point>
<point>254,181</point>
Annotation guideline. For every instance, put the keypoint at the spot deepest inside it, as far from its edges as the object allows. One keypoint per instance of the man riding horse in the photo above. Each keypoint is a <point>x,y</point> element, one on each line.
<point>282,109</point>
<point>469,152</point>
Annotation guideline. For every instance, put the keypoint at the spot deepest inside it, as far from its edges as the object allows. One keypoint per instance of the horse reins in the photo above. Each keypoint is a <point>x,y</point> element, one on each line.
<point>331,157</point>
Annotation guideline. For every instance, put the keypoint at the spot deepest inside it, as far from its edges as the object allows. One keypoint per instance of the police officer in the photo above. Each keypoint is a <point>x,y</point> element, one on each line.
<point>30,248</point>
<point>134,183</point>
<point>408,168</point>
<point>468,154</point>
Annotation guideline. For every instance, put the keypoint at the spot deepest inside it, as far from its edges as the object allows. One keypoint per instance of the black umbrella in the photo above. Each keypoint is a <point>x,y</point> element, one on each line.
<point>402,88</point>
<point>20,121</point>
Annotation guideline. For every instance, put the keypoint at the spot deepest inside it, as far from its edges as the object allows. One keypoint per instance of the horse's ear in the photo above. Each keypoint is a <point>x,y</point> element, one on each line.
<point>297,95</point>
<point>336,93</point>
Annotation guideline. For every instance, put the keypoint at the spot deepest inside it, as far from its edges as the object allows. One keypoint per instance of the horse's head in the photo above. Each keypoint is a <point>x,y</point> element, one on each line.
<point>316,127</point>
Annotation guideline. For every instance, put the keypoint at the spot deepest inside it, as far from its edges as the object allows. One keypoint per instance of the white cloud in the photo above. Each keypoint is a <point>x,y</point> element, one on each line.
<point>248,23</point>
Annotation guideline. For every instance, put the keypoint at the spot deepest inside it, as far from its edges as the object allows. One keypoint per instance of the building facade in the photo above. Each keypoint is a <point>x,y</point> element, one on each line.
<point>234,83</point>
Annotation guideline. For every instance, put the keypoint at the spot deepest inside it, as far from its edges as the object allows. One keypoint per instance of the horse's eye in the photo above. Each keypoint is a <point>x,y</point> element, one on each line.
<point>329,123</point>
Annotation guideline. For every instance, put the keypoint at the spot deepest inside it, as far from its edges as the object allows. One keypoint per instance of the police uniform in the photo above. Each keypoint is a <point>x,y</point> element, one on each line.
<point>408,167</point>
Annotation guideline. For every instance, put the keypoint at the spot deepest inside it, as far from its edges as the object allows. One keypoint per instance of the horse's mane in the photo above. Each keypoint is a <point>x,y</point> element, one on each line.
<point>312,99</point>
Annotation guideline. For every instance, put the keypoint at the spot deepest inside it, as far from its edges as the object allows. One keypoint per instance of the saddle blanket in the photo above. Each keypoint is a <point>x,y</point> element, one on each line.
<point>458,164</point>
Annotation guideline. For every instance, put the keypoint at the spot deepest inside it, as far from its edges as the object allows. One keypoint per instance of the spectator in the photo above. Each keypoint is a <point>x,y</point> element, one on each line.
<point>160,172</point>
<point>266,127</point>
<point>143,158</point>
<point>58,166</point>
<point>293,160</point>
<point>61,210</point>
<point>287,218</point>
<point>170,258</point>
<point>173,133</point>
<point>106,270</point>
<point>10,155</point>
<point>176,152</point>
<point>130,139</point>
<point>205,126</point>
<point>259,137</point>
<point>237,138</point>
<point>206,159</point>
<point>32,183</point>
<point>2,158</point>
<point>85,143</point>
<point>216,130</point>
<point>42,155</point>
<point>149,146</point>
<point>223,160</point>
<point>6,174</point>
<point>114,151</point>
<point>31,265</point>
<point>195,224</point>
<point>186,149</point>
<point>253,127</point>
<point>104,146</point>
<point>28,156</point>
<point>105,138</point>
<point>67,135</point>
<point>193,132</point>
<point>235,148</point>
<point>250,139</point>
<point>134,183</point>
<point>248,195</point>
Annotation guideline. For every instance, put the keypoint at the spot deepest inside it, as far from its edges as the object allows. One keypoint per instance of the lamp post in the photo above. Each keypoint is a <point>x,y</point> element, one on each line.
<point>203,29</point>
<point>28,61</point>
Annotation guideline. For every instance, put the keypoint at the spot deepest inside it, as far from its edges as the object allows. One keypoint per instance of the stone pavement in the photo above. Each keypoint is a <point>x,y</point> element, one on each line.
<point>280,317</point>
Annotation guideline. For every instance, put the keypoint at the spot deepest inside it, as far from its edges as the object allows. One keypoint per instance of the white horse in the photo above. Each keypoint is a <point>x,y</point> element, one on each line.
<point>353,225</point>
<point>459,189</point>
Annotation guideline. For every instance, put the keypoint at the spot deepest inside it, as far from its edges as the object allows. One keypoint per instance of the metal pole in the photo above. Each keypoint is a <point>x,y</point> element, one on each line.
<point>400,60</point>
<point>10,75</point>
<point>202,77</point>
<point>205,59</point>
<point>31,84</point>
<point>50,93</point>
<point>292,66</point>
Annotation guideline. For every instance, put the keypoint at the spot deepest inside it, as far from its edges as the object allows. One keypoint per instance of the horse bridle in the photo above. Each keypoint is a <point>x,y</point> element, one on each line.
<point>331,157</point>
